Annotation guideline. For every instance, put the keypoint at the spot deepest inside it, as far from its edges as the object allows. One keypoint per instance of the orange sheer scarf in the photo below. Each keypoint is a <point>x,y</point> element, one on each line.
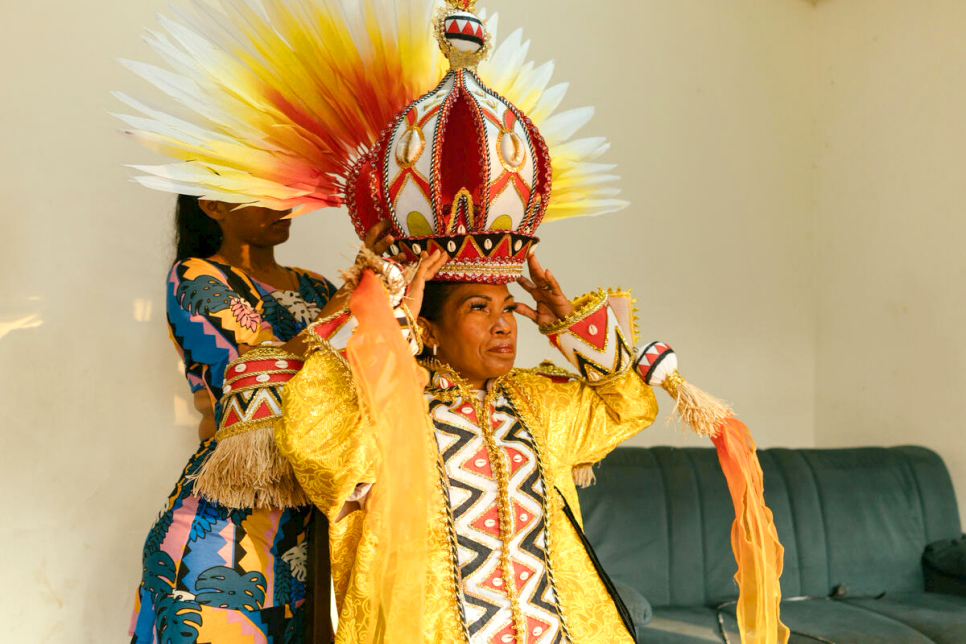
<point>402,500</point>
<point>753,538</point>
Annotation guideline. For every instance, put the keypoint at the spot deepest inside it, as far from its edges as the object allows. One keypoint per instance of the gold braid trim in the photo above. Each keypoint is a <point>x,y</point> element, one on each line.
<point>244,427</point>
<point>505,512</point>
<point>395,282</point>
<point>462,391</point>
<point>584,306</point>
<point>672,383</point>
<point>415,338</point>
<point>458,597</point>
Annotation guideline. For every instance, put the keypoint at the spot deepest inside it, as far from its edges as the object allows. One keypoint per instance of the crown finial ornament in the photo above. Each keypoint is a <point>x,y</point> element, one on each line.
<point>461,34</point>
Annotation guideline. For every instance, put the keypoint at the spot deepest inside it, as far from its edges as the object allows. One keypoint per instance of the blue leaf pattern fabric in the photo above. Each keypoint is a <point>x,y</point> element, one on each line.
<point>204,520</point>
<point>204,295</point>
<point>225,588</point>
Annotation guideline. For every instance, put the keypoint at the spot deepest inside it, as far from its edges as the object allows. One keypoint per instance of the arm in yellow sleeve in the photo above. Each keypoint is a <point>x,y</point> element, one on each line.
<point>610,402</point>
<point>609,412</point>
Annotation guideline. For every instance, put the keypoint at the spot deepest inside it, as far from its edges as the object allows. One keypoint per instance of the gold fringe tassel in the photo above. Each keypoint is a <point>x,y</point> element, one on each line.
<point>700,411</point>
<point>246,470</point>
<point>584,476</point>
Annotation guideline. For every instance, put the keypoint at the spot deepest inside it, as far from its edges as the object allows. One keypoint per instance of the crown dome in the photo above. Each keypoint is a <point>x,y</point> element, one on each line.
<point>460,169</point>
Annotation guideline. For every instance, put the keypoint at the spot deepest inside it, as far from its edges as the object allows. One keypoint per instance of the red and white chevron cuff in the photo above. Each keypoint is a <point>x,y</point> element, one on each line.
<point>251,396</point>
<point>593,339</point>
<point>656,362</point>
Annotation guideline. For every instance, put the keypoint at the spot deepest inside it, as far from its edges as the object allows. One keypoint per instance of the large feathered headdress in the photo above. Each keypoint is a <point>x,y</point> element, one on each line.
<point>307,104</point>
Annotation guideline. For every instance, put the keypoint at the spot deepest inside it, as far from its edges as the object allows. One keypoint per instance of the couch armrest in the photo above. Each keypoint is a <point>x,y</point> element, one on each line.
<point>637,604</point>
<point>944,566</point>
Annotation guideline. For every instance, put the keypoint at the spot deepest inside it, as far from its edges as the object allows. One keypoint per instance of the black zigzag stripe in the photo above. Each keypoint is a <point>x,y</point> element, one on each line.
<point>529,542</point>
<point>529,487</point>
<point>480,551</point>
<point>490,610</point>
<point>537,599</point>
<point>586,367</point>
<point>624,352</point>
<point>463,435</point>
<point>518,431</point>
<point>506,409</point>
<point>245,398</point>
<point>475,495</point>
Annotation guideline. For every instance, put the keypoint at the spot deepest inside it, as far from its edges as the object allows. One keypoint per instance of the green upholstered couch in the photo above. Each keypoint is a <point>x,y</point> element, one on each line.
<point>854,524</point>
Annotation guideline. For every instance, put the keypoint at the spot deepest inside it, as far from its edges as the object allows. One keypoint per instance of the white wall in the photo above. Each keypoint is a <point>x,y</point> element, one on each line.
<point>709,106</point>
<point>712,108</point>
<point>890,227</point>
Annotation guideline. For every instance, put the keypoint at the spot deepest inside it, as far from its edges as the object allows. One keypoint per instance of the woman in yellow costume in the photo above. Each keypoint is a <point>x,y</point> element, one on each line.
<point>505,561</point>
<point>449,485</point>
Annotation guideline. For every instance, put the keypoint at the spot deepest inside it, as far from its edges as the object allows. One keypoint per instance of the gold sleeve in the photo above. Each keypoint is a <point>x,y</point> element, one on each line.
<point>586,421</point>
<point>323,432</point>
<point>610,412</point>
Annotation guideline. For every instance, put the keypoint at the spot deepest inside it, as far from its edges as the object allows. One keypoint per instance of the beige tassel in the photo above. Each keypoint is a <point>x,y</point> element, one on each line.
<point>584,476</point>
<point>246,470</point>
<point>698,410</point>
<point>395,278</point>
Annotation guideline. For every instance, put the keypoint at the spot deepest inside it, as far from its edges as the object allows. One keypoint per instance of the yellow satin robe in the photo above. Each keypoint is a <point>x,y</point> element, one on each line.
<point>573,422</point>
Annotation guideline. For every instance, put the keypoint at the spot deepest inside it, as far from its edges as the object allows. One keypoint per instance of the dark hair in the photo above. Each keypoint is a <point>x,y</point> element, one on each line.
<point>196,234</point>
<point>435,295</point>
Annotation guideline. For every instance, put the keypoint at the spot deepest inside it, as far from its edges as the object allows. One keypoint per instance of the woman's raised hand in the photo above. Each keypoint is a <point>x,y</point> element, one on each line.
<point>552,304</point>
<point>378,239</point>
<point>429,265</point>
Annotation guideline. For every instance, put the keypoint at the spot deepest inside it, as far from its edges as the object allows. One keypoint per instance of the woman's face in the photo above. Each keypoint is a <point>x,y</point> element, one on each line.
<point>476,332</point>
<point>251,225</point>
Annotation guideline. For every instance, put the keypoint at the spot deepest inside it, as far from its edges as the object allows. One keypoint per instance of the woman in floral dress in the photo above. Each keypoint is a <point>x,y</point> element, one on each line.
<point>211,573</point>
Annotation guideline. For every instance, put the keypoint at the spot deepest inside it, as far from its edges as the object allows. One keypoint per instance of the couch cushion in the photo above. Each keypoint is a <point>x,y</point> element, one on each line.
<point>941,618</point>
<point>839,622</point>
<point>660,520</point>
<point>636,604</point>
<point>868,513</point>
<point>683,626</point>
<point>944,566</point>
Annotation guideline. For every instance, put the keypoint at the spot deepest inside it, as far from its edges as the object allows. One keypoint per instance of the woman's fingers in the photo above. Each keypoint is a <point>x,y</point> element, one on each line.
<point>429,265</point>
<point>527,285</point>
<point>525,311</point>
<point>552,284</point>
<point>536,271</point>
<point>539,294</point>
<point>377,238</point>
<point>436,261</point>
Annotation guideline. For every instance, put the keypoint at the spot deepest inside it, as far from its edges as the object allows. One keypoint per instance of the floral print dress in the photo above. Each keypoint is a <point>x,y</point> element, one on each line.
<point>212,574</point>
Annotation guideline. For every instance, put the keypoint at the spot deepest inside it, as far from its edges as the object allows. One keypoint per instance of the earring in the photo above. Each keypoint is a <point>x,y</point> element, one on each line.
<point>434,349</point>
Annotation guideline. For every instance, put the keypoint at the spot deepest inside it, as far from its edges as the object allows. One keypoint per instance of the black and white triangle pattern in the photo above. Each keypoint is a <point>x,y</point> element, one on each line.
<point>473,504</point>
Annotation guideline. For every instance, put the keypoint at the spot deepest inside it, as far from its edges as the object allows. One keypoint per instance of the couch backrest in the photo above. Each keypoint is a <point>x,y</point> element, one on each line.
<point>660,520</point>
